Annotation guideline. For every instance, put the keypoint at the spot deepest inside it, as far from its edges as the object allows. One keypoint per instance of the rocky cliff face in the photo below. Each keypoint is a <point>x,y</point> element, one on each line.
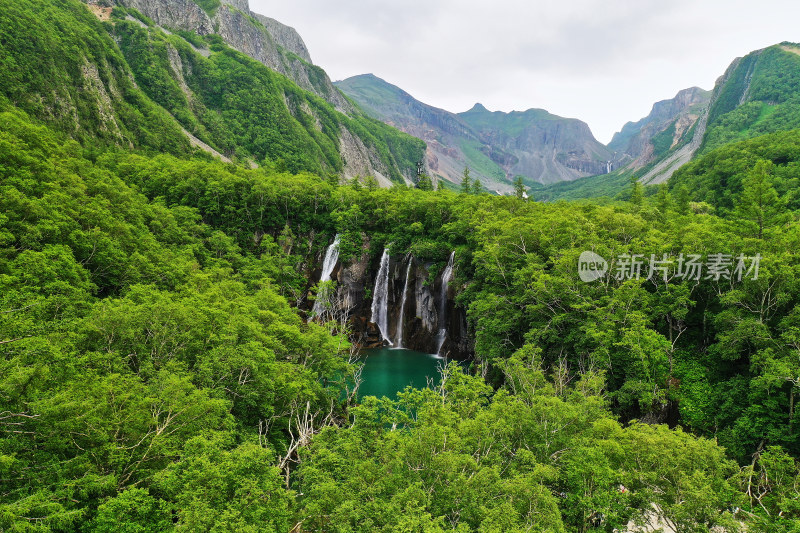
<point>421,320</point>
<point>286,37</point>
<point>495,146</point>
<point>361,160</point>
<point>634,144</point>
<point>280,48</point>
<point>241,5</point>
<point>443,132</point>
<point>547,148</point>
<point>179,14</point>
<point>266,40</point>
<point>756,95</point>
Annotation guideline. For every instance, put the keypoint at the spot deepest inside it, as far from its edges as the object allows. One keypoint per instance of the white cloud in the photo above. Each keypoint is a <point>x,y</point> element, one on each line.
<point>602,61</point>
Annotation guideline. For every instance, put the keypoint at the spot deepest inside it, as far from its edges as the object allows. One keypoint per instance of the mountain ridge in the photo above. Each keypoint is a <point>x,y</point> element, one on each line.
<point>633,139</point>
<point>496,146</point>
<point>135,85</point>
<point>266,40</point>
<point>758,94</point>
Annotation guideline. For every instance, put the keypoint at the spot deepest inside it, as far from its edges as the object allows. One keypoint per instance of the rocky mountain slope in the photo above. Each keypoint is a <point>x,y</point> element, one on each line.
<point>171,78</point>
<point>497,147</point>
<point>758,94</point>
<point>667,125</point>
<point>264,39</point>
<point>539,145</point>
<point>449,139</point>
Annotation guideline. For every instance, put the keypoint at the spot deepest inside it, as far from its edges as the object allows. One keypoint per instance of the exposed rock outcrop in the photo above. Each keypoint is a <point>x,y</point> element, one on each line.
<point>633,145</point>
<point>359,160</point>
<point>740,71</point>
<point>546,148</point>
<point>286,37</point>
<point>495,146</point>
<point>241,5</point>
<point>662,171</point>
<point>93,82</point>
<point>277,46</point>
<point>179,14</point>
<point>266,40</point>
<point>421,320</point>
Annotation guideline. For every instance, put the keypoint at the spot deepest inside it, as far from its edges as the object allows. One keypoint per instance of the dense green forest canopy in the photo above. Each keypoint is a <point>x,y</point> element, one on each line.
<point>717,177</point>
<point>154,372</point>
<point>158,373</point>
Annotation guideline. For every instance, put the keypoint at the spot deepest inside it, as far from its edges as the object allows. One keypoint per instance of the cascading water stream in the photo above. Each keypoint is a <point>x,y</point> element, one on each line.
<point>399,342</point>
<point>328,264</point>
<point>380,298</point>
<point>448,273</point>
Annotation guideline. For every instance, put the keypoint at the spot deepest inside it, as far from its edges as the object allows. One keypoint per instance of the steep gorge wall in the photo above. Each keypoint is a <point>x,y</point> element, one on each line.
<point>421,317</point>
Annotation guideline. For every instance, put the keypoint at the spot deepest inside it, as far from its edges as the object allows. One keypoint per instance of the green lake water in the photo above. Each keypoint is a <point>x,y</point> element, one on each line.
<point>388,371</point>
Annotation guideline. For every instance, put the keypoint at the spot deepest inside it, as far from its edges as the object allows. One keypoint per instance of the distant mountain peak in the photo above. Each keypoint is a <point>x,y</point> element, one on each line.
<point>478,108</point>
<point>495,145</point>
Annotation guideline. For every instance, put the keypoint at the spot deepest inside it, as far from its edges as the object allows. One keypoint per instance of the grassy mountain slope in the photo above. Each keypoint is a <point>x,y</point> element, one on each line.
<point>452,144</point>
<point>542,146</point>
<point>759,94</point>
<point>269,42</point>
<point>132,85</point>
<point>497,147</point>
<point>61,66</point>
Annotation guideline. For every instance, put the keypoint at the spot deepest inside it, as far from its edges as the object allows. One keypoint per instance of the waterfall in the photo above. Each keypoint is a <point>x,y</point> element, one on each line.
<point>448,273</point>
<point>400,318</point>
<point>608,167</point>
<point>328,264</point>
<point>380,298</point>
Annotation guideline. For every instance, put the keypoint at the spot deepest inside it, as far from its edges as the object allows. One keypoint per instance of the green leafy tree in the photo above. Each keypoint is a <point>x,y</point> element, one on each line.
<point>424,182</point>
<point>682,200</point>
<point>466,181</point>
<point>519,188</point>
<point>663,200</point>
<point>133,511</point>
<point>759,208</point>
<point>371,183</point>
<point>637,194</point>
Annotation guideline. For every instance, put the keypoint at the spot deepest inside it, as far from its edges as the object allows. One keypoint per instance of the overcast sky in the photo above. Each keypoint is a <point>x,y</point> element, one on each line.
<point>603,61</point>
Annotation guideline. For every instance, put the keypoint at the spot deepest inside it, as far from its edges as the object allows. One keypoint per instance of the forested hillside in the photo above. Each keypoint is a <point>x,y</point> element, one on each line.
<point>154,373</point>
<point>162,367</point>
<point>128,83</point>
<point>757,95</point>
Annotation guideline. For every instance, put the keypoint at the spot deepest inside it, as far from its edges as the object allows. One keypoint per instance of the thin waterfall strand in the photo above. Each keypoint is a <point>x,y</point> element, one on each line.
<point>448,273</point>
<point>328,264</point>
<point>380,298</point>
<point>400,318</point>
